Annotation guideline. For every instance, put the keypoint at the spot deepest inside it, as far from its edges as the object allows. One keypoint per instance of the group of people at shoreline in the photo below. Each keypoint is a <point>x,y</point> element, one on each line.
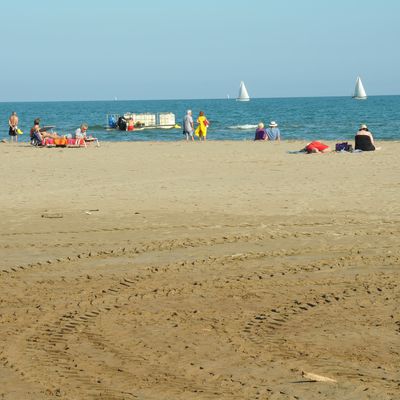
<point>270,133</point>
<point>202,126</point>
<point>39,135</point>
<point>364,140</point>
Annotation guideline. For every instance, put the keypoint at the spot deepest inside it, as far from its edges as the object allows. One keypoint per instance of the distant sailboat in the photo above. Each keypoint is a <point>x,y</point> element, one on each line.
<point>359,91</point>
<point>243,94</point>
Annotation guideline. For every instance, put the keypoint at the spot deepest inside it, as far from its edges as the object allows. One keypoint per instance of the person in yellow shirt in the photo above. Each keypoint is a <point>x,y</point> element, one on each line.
<point>201,131</point>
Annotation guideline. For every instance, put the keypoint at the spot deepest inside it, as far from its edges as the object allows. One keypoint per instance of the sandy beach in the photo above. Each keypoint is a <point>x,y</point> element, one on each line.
<point>217,270</point>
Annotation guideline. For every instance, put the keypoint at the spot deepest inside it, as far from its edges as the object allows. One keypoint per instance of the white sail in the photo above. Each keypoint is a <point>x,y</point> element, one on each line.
<point>243,94</point>
<point>359,91</point>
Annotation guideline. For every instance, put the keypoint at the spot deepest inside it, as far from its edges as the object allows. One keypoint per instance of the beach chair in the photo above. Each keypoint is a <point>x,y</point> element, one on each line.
<point>48,142</point>
<point>75,143</point>
<point>80,142</point>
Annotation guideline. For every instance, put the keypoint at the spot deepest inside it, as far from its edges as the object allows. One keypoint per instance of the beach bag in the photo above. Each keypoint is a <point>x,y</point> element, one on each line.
<point>344,146</point>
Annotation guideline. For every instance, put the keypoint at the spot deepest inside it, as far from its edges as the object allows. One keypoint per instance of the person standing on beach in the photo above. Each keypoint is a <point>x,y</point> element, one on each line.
<point>201,130</point>
<point>273,131</point>
<point>13,124</point>
<point>188,125</point>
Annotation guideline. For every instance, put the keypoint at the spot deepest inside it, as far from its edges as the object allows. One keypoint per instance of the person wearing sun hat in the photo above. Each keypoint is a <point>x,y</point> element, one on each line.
<point>273,131</point>
<point>364,140</point>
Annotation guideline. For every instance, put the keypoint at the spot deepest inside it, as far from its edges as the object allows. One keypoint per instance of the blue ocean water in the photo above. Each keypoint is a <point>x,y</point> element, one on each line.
<point>324,118</point>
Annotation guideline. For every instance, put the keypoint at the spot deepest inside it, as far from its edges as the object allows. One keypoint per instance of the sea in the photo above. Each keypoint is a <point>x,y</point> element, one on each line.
<point>304,119</point>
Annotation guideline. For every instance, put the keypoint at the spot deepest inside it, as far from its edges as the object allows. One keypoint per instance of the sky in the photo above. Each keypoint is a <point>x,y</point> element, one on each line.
<point>157,49</point>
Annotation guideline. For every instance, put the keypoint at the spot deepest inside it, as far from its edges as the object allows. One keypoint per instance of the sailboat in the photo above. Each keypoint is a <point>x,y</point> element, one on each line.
<point>243,94</point>
<point>359,91</point>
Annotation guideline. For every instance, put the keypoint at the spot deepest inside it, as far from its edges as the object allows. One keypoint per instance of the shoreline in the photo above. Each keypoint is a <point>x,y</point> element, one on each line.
<point>329,142</point>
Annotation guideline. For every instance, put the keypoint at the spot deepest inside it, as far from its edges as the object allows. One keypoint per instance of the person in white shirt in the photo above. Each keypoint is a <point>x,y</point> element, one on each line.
<point>80,133</point>
<point>188,126</point>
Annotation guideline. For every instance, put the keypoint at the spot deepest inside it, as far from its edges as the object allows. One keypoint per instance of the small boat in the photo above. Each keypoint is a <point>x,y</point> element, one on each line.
<point>243,94</point>
<point>162,120</point>
<point>359,91</point>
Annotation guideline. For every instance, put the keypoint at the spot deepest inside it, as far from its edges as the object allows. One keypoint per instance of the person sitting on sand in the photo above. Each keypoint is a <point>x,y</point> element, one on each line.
<point>273,131</point>
<point>80,133</point>
<point>317,147</point>
<point>364,140</point>
<point>37,133</point>
<point>261,133</point>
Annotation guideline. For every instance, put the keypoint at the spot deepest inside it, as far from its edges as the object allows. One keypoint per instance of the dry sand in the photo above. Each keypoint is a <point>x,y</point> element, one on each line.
<point>218,270</point>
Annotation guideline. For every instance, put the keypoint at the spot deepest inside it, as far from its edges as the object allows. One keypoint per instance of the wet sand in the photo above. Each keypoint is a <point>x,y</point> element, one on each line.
<point>218,270</point>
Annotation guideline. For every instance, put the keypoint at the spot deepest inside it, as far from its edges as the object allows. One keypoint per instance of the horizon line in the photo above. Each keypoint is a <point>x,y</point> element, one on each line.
<point>187,99</point>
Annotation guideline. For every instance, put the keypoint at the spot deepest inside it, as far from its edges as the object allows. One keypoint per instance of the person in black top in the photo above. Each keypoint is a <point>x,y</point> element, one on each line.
<point>364,140</point>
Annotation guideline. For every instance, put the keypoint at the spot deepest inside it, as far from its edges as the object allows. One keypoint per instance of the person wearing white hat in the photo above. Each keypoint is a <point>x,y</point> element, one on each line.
<point>273,131</point>
<point>364,140</point>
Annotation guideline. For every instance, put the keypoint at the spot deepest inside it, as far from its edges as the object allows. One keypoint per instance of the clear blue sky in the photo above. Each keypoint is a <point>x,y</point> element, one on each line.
<point>157,49</point>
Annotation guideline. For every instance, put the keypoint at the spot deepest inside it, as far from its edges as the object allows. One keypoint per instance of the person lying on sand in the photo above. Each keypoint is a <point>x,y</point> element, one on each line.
<point>317,147</point>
